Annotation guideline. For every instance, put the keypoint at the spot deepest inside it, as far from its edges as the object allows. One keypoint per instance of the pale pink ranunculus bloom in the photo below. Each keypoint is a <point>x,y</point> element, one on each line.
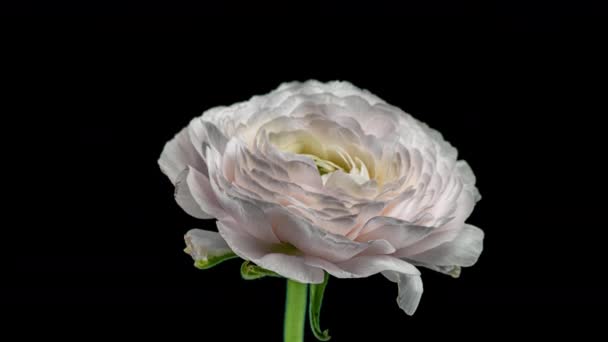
<point>316,177</point>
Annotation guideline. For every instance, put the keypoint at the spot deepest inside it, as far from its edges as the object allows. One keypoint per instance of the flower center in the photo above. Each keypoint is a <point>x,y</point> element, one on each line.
<point>355,168</point>
<point>328,158</point>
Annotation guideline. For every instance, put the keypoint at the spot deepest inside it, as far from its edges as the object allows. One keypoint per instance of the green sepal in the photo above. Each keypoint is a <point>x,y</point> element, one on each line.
<point>203,264</point>
<point>251,271</point>
<point>314,309</point>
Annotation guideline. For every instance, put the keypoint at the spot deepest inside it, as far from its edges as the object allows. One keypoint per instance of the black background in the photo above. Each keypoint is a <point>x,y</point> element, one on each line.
<point>94,238</point>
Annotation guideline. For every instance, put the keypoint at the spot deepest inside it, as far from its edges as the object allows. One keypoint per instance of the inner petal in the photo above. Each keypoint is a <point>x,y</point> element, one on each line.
<point>328,157</point>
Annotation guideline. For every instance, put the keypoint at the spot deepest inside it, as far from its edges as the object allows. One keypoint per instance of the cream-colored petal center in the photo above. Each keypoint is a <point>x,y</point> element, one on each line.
<point>328,158</point>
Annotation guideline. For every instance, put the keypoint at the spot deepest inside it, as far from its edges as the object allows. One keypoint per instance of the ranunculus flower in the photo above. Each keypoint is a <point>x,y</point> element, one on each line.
<point>316,177</point>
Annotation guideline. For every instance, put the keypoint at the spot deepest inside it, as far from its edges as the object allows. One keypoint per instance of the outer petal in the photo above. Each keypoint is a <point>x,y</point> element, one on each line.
<point>183,197</point>
<point>199,189</point>
<point>337,88</point>
<point>292,267</point>
<point>177,154</point>
<point>464,250</point>
<point>268,255</point>
<point>398,232</point>
<point>410,290</point>
<point>204,245</point>
<point>243,244</point>
<point>363,266</point>
<point>311,240</point>
<point>446,233</point>
<point>249,216</point>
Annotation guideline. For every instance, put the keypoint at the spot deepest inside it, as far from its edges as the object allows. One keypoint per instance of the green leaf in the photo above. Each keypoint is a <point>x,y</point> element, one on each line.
<point>314,309</point>
<point>251,271</point>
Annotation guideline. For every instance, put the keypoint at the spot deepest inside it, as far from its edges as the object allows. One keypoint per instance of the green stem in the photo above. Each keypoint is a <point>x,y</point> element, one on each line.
<point>295,311</point>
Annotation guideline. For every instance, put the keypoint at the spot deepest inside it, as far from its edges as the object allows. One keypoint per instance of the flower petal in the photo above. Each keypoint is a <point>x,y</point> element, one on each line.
<point>311,240</point>
<point>215,138</point>
<point>292,267</point>
<point>184,197</point>
<point>410,290</point>
<point>464,250</point>
<point>363,266</point>
<point>265,254</point>
<point>207,248</point>
<point>177,154</point>
<point>250,217</point>
<point>449,231</point>
<point>199,189</point>
<point>367,265</point>
<point>399,233</point>
<point>242,243</point>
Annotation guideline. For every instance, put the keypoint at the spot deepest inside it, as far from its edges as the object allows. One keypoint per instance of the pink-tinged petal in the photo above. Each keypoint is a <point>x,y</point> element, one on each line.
<point>185,199</point>
<point>410,290</point>
<point>203,244</point>
<point>229,158</point>
<point>304,174</point>
<point>250,218</point>
<point>267,255</point>
<point>431,241</point>
<point>468,178</point>
<point>197,185</point>
<point>214,137</point>
<point>399,233</point>
<point>329,267</point>
<point>292,267</point>
<point>466,175</point>
<point>242,243</point>
<point>378,247</point>
<point>464,250</point>
<point>178,154</point>
<point>464,207</point>
<point>198,136</point>
<point>380,125</point>
<point>447,232</point>
<point>336,88</point>
<point>363,266</point>
<point>311,240</point>
<point>366,212</point>
<point>342,183</point>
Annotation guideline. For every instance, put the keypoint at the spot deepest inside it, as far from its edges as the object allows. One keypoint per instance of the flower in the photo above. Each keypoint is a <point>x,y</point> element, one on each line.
<point>325,177</point>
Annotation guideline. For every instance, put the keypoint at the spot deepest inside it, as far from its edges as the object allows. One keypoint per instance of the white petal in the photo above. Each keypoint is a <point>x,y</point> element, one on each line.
<point>410,290</point>
<point>178,154</point>
<point>199,188</point>
<point>398,232</point>
<point>242,243</point>
<point>343,183</point>
<point>304,173</point>
<point>184,198</point>
<point>250,218</point>
<point>312,240</point>
<point>292,267</point>
<point>203,244</point>
<point>464,250</point>
<point>468,177</point>
<point>446,233</point>
<point>215,137</point>
<point>363,266</point>
<point>265,255</point>
<point>337,88</point>
<point>379,247</point>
